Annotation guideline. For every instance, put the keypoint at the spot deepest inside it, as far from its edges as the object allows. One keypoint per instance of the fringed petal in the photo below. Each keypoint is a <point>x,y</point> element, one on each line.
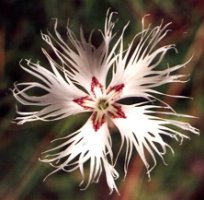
<point>79,58</point>
<point>142,130</point>
<point>136,66</point>
<point>85,146</point>
<point>55,100</point>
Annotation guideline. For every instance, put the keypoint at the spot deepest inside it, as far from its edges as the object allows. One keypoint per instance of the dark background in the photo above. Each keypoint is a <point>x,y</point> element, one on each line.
<point>21,174</point>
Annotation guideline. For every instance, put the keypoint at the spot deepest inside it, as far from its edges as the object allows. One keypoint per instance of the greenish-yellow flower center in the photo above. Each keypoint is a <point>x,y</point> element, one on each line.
<point>102,104</point>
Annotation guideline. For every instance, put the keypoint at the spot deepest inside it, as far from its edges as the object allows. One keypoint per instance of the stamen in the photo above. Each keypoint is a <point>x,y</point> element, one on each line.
<point>103,104</point>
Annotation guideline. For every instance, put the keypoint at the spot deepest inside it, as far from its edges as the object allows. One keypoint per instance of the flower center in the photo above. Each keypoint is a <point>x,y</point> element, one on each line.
<point>102,103</point>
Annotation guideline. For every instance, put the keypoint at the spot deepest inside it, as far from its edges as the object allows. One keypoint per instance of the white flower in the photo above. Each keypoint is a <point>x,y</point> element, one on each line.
<point>78,82</point>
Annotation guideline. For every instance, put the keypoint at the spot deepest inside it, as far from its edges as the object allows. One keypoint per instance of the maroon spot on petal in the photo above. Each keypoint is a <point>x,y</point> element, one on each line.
<point>94,84</point>
<point>118,113</point>
<point>81,101</point>
<point>97,123</point>
<point>116,88</point>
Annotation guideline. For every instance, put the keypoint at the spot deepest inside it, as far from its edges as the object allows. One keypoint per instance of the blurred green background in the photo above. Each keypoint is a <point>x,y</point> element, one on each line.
<point>21,175</point>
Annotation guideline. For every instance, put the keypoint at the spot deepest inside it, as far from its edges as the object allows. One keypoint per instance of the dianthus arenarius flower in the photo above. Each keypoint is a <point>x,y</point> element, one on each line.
<point>86,78</point>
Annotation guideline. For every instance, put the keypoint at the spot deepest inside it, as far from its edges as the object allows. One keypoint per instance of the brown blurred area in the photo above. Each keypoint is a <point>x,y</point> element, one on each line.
<point>20,146</point>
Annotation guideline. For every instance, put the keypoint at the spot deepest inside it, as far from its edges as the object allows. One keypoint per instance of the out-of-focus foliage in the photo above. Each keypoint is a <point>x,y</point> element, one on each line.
<point>21,175</point>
